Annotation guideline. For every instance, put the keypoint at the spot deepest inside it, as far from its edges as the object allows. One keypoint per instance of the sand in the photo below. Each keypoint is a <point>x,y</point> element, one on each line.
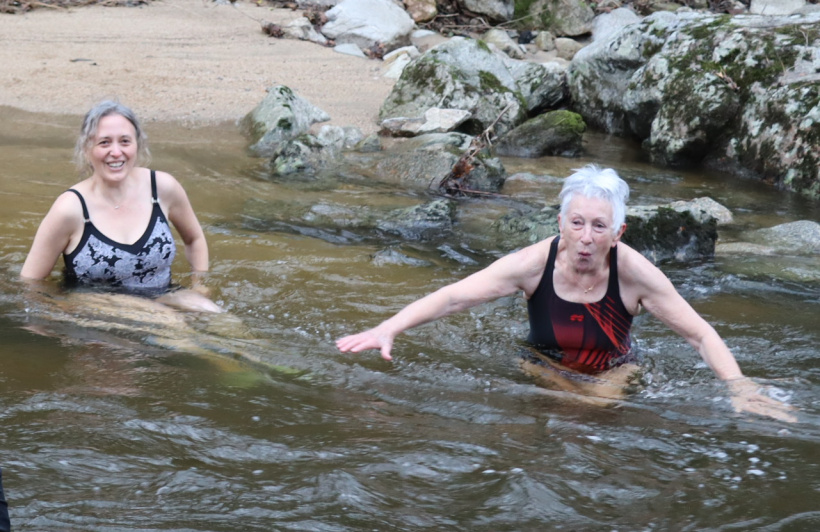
<point>195,62</point>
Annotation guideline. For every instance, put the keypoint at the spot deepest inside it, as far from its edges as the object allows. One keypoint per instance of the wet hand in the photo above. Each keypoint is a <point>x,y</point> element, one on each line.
<point>371,339</point>
<point>750,397</point>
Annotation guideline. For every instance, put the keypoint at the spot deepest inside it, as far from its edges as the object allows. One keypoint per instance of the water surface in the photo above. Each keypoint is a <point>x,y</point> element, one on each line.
<point>118,420</point>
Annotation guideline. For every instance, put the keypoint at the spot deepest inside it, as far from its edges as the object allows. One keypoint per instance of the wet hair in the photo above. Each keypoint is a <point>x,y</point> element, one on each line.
<point>91,124</point>
<point>593,182</point>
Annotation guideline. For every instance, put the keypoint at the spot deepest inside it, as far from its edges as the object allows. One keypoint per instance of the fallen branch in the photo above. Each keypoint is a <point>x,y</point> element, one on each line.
<point>455,182</point>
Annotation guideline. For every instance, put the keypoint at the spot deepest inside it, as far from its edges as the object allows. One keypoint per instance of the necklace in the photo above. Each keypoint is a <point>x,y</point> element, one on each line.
<point>586,291</point>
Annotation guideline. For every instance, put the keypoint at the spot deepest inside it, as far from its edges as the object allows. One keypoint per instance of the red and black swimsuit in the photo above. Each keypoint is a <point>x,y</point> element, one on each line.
<point>586,337</point>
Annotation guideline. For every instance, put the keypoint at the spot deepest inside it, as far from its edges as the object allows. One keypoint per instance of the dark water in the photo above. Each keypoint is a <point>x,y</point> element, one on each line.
<point>117,420</point>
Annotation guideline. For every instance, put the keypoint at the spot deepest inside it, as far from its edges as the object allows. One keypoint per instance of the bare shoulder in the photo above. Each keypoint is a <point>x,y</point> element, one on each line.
<point>529,263</point>
<point>166,182</point>
<point>169,190</point>
<point>641,281</point>
<point>67,208</point>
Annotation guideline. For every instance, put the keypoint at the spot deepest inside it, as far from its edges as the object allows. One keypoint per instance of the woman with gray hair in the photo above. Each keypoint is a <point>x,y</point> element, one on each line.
<point>582,286</point>
<point>113,228</point>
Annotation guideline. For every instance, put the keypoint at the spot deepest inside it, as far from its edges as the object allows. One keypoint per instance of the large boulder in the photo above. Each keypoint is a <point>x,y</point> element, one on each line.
<point>368,23</point>
<point>551,133</point>
<point>423,162</point>
<point>279,118</point>
<point>469,75</point>
<point>740,92</point>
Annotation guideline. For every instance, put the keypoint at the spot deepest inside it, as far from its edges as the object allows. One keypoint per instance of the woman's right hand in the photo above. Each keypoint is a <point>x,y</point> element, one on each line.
<point>375,338</point>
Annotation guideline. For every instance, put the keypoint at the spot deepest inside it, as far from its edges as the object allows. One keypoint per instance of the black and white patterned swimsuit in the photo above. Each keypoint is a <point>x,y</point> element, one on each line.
<point>141,267</point>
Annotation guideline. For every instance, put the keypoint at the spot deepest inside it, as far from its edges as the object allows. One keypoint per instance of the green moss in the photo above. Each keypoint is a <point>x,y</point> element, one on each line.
<point>706,30</point>
<point>285,124</point>
<point>483,46</point>
<point>490,83</point>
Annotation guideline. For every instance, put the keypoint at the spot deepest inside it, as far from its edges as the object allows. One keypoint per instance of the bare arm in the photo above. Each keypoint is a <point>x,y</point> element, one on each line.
<point>181,214</point>
<point>505,276</point>
<point>63,223</point>
<point>645,284</point>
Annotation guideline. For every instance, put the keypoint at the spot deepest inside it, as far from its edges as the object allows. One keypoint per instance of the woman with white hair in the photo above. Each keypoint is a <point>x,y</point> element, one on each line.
<point>582,286</point>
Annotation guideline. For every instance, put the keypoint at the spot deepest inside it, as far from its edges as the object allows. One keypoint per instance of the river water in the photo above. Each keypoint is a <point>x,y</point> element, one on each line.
<point>130,419</point>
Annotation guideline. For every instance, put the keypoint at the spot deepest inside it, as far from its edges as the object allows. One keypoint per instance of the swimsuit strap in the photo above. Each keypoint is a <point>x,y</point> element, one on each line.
<point>613,287</point>
<point>154,198</point>
<point>552,255</point>
<point>82,202</point>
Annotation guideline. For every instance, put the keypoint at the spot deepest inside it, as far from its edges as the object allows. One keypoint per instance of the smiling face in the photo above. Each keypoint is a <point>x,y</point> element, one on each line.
<point>113,150</point>
<point>587,232</point>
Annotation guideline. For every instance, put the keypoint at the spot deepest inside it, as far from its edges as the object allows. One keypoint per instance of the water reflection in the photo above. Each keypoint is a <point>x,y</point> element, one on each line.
<point>252,420</point>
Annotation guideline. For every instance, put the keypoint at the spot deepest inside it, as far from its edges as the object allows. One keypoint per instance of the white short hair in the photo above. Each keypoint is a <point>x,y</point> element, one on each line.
<point>594,182</point>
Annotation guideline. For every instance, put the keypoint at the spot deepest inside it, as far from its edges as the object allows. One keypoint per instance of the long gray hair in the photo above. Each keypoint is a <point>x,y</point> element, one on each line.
<point>593,182</point>
<point>91,124</point>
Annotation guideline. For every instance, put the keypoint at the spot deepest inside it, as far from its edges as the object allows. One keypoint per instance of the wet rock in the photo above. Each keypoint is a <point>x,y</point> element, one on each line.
<point>703,209</point>
<point>310,153</point>
<point>799,238</point>
<point>661,234</point>
<point>424,161</point>
<point>394,257</point>
<point>552,133</point>
<point>428,221</point>
<point>520,229</point>
<point>280,117</point>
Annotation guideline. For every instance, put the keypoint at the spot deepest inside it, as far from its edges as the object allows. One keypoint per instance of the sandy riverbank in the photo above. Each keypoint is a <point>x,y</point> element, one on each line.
<point>190,61</point>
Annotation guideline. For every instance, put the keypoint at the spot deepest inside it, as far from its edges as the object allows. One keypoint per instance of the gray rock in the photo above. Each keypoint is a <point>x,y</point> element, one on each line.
<point>552,133</point>
<point>422,163</point>
<point>775,7</point>
<point>303,30</point>
<point>367,23</point>
<point>703,209</point>
<point>567,48</point>
<point>705,88</point>
<point>350,49</point>
<point>799,238</point>
<point>570,18</point>
<point>467,74</point>
<point>280,117</point>
<point>495,10</point>
<point>662,234</point>
<point>607,24</point>
<point>429,221</point>
<point>502,40</point>
<point>434,121</point>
